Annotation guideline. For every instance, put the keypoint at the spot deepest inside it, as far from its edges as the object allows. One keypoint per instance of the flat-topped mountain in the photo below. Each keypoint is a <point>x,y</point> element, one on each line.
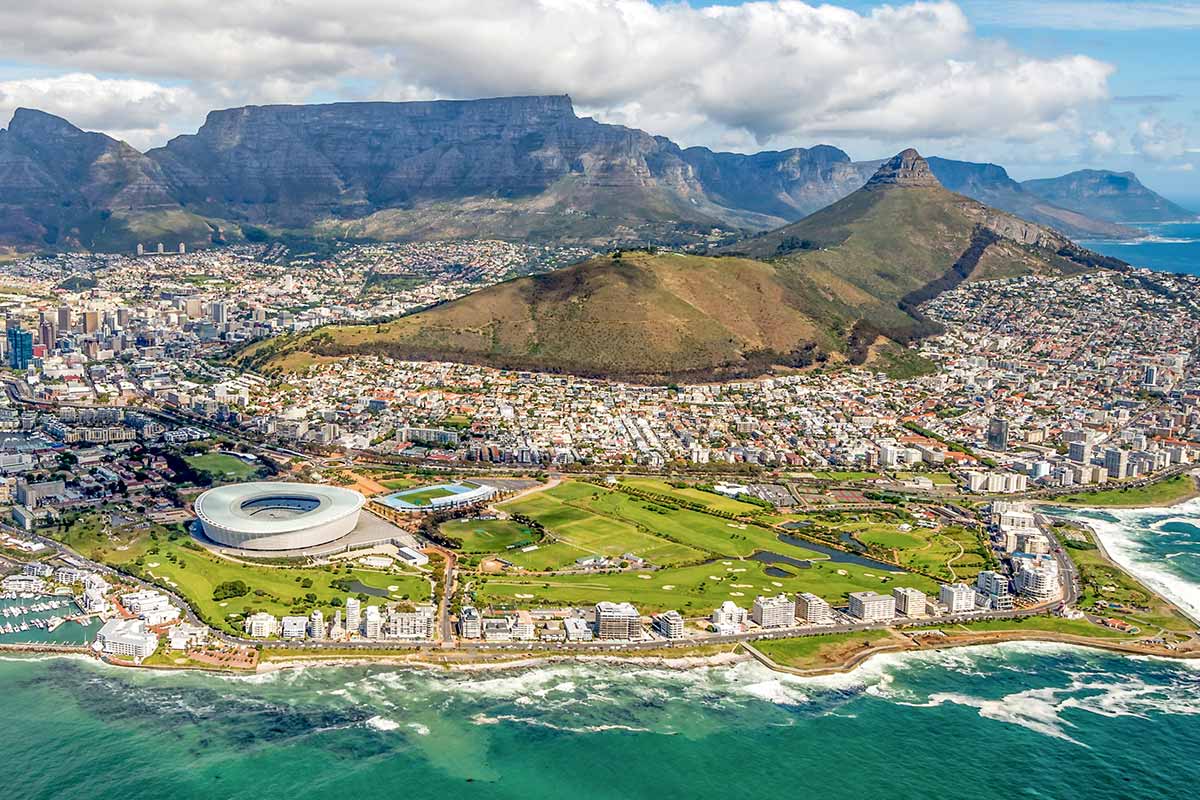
<point>834,285</point>
<point>1114,196</point>
<point>524,168</point>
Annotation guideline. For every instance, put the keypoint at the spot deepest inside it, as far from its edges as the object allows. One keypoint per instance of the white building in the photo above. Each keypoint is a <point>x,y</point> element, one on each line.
<point>619,621</point>
<point>522,628</point>
<point>127,637</point>
<point>872,607</point>
<point>669,624</point>
<point>293,627</point>
<point>261,625</point>
<point>316,624</point>
<point>774,612</point>
<point>729,618</point>
<point>909,602</point>
<point>577,630</point>
<point>415,625</point>
<point>991,591</point>
<point>468,623</point>
<point>813,609</point>
<point>353,614</point>
<point>958,598</point>
<point>373,623</point>
<point>1036,577</point>
<point>185,635</point>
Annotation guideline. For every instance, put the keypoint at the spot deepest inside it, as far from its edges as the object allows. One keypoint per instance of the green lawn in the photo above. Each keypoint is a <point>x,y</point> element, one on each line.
<point>547,557</point>
<point>1168,492</point>
<point>709,500</point>
<point>1077,627</point>
<point>397,484</point>
<point>572,514</point>
<point>694,590</point>
<point>808,652</point>
<point>176,561</point>
<point>487,535</point>
<point>220,465</point>
<point>423,496</point>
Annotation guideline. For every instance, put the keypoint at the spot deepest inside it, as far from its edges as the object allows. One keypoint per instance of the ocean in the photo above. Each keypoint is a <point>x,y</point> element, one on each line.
<point>1167,247</point>
<point>1029,720</point>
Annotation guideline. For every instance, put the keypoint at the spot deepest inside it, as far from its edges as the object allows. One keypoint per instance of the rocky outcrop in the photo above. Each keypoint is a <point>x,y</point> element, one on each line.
<point>907,168</point>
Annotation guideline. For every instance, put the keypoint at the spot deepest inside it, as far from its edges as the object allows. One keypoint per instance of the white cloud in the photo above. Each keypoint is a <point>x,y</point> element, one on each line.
<point>778,71</point>
<point>138,111</point>
<point>1159,140</point>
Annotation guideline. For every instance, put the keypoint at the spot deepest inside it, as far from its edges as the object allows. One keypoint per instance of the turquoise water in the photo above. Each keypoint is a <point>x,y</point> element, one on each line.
<point>1037,721</point>
<point>1014,720</point>
<point>1159,545</point>
<point>1168,247</point>
<point>67,633</point>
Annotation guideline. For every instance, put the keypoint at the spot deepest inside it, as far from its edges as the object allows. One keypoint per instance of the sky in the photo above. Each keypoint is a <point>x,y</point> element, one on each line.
<point>1042,87</point>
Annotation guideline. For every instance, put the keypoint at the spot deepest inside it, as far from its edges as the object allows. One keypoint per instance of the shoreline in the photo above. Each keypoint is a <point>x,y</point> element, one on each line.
<point>742,654</point>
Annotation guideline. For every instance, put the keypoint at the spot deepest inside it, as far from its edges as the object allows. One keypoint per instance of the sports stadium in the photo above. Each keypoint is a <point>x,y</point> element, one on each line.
<point>276,515</point>
<point>436,498</point>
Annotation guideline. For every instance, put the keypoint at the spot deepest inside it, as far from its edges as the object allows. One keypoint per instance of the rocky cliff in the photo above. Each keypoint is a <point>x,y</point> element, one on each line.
<point>1113,196</point>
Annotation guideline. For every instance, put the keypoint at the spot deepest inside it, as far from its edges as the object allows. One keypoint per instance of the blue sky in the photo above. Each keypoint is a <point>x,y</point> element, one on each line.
<point>1040,87</point>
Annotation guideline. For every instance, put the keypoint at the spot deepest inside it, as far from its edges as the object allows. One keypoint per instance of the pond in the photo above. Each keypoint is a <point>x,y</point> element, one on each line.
<point>835,555</point>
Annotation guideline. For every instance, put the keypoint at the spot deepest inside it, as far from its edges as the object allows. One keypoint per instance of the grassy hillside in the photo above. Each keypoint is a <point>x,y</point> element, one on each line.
<point>847,279</point>
<point>637,316</point>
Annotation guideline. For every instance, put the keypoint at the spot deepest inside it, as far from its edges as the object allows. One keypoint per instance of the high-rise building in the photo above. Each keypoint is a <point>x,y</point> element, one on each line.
<point>730,617</point>
<point>909,602</point>
<point>46,334</point>
<point>64,319</point>
<point>353,614</point>
<point>774,612</point>
<point>316,624</point>
<point>469,626</point>
<point>91,321</point>
<point>991,590</point>
<point>669,624</point>
<point>997,434</point>
<point>1079,452</point>
<point>872,607</point>
<point>1116,461</point>
<point>810,608</point>
<point>20,348</point>
<point>958,598</point>
<point>617,621</point>
<point>373,623</point>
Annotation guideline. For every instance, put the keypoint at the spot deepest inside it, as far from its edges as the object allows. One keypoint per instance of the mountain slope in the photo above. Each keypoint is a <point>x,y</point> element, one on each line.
<point>991,185</point>
<point>64,188</point>
<point>835,282</point>
<point>1113,196</point>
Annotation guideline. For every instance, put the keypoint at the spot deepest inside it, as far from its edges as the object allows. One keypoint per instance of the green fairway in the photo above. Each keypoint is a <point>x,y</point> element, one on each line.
<point>487,535</point>
<point>555,555</point>
<point>1168,492</point>
<point>1048,624</point>
<point>573,514</point>
<point>709,500</point>
<point>176,561</point>
<point>694,590</point>
<point>223,466</point>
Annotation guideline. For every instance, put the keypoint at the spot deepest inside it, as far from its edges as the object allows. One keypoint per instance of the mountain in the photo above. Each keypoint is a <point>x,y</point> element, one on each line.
<point>1113,196</point>
<point>841,283</point>
<point>518,166</point>
<point>61,187</point>
<point>990,184</point>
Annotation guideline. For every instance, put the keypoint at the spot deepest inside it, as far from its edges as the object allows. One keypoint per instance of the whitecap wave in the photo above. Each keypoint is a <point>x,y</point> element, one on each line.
<point>382,724</point>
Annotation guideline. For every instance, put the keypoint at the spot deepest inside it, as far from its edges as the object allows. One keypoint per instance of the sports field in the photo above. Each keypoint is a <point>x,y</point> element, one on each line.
<point>692,590</point>
<point>487,535</point>
<point>421,497</point>
<point>223,466</point>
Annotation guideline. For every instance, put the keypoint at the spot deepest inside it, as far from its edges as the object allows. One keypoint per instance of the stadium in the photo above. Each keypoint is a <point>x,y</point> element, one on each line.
<point>436,498</point>
<point>277,516</point>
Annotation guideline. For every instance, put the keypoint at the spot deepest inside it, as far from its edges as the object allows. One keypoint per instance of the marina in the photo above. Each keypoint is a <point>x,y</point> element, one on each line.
<point>43,619</point>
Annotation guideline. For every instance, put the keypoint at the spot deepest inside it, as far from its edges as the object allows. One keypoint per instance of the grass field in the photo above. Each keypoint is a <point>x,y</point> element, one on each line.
<point>1168,492</point>
<point>693,590</point>
<point>487,535</point>
<point>176,561</point>
<point>1075,627</point>
<point>709,500</point>
<point>814,652</point>
<point>574,515</point>
<point>424,496</point>
<point>223,466</point>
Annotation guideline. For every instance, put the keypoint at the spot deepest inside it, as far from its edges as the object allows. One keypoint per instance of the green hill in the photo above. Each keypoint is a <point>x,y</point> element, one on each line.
<point>843,282</point>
